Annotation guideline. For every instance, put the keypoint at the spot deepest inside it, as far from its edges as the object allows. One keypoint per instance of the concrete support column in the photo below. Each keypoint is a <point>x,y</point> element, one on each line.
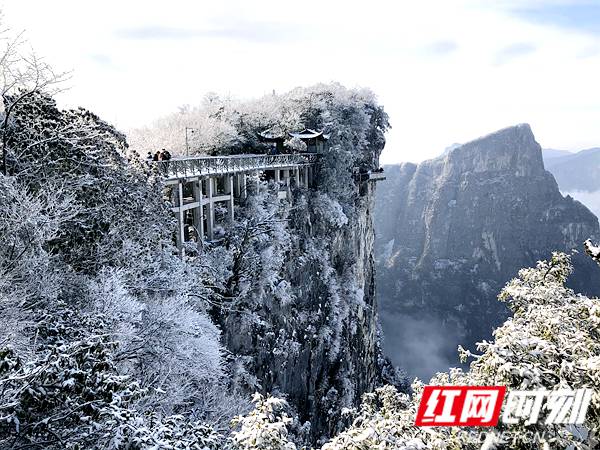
<point>243,186</point>
<point>286,179</point>
<point>198,212</point>
<point>236,185</point>
<point>180,223</point>
<point>277,175</point>
<point>297,176</point>
<point>210,208</point>
<point>257,181</point>
<point>229,189</point>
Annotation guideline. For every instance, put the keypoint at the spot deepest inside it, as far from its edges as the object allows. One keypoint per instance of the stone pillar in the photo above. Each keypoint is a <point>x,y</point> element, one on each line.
<point>297,176</point>
<point>277,176</point>
<point>210,208</point>
<point>257,181</point>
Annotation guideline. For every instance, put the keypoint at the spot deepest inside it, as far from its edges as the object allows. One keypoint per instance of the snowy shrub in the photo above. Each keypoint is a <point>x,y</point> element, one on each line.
<point>264,428</point>
<point>175,350</point>
<point>384,422</point>
<point>165,342</point>
<point>28,222</point>
<point>328,212</point>
<point>70,395</point>
<point>58,398</point>
<point>131,431</point>
<point>551,342</point>
<point>30,274</point>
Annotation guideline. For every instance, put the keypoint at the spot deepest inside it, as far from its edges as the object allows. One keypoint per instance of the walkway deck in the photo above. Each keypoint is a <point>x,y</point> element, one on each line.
<point>197,184</point>
<point>194,166</point>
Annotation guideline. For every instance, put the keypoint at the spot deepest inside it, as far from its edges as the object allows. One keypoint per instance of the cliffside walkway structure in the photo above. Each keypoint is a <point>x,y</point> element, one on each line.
<point>200,186</point>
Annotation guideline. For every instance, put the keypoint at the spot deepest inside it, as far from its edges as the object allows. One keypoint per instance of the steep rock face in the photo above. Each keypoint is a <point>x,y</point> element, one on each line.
<point>300,315</point>
<point>451,231</point>
<point>319,348</point>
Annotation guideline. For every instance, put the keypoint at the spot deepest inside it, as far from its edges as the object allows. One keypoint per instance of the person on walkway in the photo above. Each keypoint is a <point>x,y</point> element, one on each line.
<point>166,155</point>
<point>156,156</point>
<point>149,156</point>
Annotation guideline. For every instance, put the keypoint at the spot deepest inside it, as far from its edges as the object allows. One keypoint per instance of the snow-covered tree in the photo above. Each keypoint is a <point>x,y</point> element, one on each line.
<point>551,342</point>
<point>58,397</point>
<point>263,428</point>
<point>384,421</point>
<point>23,74</point>
<point>206,129</point>
<point>70,394</point>
<point>86,157</point>
<point>84,224</point>
<point>131,431</point>
<point>30,276</point>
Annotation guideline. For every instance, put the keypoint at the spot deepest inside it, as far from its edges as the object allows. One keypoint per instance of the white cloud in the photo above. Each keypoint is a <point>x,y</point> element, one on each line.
<point>446,71</point>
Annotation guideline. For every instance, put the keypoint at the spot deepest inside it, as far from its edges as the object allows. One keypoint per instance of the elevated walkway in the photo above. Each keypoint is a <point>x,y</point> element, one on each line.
<point>194,166</point>
<point>200,186</point>
<point>204,189</point>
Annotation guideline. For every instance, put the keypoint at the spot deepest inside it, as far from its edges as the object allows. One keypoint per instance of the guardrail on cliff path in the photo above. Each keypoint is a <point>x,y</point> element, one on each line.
<point>216,165</point>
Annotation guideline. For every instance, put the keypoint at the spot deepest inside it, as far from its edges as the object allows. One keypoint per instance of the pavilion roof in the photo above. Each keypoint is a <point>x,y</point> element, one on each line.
<point>309,133</point>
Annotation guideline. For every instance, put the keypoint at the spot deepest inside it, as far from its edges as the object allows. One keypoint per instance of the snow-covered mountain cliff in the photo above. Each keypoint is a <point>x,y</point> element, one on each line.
<point>452,230</point>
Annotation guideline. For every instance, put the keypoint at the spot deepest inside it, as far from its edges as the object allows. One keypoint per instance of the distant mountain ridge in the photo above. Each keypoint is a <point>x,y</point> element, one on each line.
<point>576,171</point>
<point>550,153</point>
<point>451,231</point>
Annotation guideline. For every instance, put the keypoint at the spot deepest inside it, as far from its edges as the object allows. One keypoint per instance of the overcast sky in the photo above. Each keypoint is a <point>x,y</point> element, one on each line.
<point>447,71</point>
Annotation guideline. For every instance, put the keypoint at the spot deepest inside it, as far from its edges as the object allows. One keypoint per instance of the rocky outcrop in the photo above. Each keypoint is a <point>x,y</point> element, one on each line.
<point>301,311</point>
<point>453,230</point>
<point>314,340</point>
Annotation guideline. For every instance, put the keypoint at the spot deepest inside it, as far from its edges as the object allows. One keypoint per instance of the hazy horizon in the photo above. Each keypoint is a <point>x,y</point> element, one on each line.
<point>445,71</point>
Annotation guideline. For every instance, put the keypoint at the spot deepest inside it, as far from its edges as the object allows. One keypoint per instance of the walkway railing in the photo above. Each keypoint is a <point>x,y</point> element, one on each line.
<point>217,165</point>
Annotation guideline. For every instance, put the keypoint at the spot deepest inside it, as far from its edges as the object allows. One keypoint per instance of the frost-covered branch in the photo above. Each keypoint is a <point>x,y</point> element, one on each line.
<point>22,75</point>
